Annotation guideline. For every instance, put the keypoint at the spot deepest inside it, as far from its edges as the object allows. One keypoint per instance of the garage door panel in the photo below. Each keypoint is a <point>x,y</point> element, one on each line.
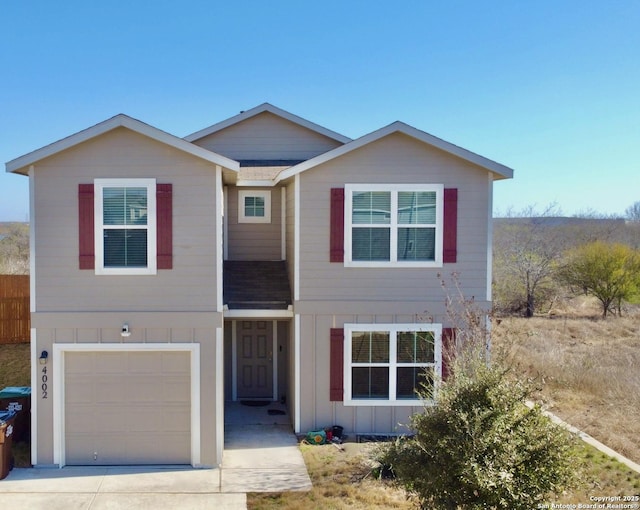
<point>176,389</point>
<point>110,362</point>
<point>110,389</point>
<point>132,408</point>
<point>78,392</point>
<point>161,446</point>
<point>175,420</point>
<point>175,365</point>
<point>145,363</point>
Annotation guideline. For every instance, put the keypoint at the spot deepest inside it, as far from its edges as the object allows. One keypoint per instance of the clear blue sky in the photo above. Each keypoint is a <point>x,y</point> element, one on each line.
<point>550,88</point>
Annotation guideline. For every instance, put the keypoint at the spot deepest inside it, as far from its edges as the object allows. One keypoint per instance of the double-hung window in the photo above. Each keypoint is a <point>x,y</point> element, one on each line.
<point>125,219</point>
<point>393,225</point>
<point>387,364</point>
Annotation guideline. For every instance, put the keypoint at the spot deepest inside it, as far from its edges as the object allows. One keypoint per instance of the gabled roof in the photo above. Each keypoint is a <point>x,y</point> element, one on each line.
<point>499,171</point>
<point>266,107</point>
<point>19,165</point>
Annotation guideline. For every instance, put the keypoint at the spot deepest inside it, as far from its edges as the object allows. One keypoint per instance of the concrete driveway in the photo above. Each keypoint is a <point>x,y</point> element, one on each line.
<point>94,488</point>
<point>257,458</point>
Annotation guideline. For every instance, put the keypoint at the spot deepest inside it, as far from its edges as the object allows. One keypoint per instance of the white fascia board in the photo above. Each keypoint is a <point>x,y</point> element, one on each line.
<point>266,107</point>
<point>499,171</point>
<point>258,314</point>
<point>266,183</point>
<point>18,165</point>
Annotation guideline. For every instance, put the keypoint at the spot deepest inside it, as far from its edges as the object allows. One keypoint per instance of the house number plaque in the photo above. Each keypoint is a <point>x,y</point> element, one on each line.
<point>44,378</point>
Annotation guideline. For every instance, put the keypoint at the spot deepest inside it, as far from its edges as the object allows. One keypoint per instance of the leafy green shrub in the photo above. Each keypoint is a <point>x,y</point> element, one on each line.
<point>481,447</point>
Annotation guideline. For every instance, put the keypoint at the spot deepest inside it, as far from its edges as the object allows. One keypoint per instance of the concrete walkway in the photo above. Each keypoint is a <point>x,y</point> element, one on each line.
<point>263,458</point>
<point>260,457</point>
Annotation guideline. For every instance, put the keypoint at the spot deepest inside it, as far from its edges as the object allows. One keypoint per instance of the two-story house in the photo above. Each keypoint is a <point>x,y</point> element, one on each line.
<point>264,257</point>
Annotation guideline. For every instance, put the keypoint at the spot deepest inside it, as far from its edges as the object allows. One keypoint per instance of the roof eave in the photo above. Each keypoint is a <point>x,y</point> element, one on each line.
<point>266,107</point>
<point>20,165</point>
<point>499,171</point>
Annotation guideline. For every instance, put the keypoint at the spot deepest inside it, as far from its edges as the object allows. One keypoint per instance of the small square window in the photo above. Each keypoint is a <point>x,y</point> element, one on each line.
<point>254,206</point>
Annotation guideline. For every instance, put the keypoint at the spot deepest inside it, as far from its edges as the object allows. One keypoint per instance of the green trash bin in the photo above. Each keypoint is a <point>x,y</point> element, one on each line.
<point>6,440</point>
<point>17,399</point>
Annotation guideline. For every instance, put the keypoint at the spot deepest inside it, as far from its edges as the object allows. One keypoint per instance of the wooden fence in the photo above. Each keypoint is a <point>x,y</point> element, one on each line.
<point>15,321</point>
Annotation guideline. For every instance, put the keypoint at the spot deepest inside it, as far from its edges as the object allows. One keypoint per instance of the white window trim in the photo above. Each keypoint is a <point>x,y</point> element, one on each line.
<point>99,185</point>
<point>394,189</point>
<point>393,365</point>
<point>264,194</point>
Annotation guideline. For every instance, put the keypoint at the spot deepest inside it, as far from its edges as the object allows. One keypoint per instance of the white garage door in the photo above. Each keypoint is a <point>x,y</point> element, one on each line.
<point>127,408</point>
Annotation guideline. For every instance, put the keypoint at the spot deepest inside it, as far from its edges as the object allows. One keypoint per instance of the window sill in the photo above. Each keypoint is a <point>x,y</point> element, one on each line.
<point>125,271</point>
<point>422,264</point>
<point>389,403</point>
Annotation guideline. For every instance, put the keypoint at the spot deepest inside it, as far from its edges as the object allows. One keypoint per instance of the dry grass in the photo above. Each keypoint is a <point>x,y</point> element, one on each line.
<point>588,369</point>
<point>341,479</point>
<point>15,369</point>
<point>589,375</point>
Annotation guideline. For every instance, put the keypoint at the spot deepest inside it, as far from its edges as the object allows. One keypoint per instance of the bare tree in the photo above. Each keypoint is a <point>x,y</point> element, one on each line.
<point>632,213</point>
<point>14,249</point>
<point>526,250</point>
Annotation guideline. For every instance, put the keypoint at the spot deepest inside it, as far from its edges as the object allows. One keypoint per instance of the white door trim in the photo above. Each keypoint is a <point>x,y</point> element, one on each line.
<point>58,390</point>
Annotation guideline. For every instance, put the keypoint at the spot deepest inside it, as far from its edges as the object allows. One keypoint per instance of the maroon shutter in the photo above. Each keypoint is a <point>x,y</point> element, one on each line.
<point>164,217</point>
<point>450,237</point>
<point>448,351</point>
<point>86,227</point>
<point>337,225</point>
<point>336,362</point>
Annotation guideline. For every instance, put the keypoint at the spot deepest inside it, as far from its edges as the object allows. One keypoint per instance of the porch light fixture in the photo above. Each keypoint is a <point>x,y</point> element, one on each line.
<point>125,330</point>
<point>44,355</point>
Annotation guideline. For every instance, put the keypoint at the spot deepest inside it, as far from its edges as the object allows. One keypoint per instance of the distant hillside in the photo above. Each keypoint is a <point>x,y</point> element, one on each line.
<point>561,221</point>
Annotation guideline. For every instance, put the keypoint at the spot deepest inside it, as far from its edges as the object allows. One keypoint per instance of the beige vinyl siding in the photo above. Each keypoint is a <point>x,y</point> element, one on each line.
<point>290,231</point>
<point>255,241</point>
<point>394,159</point>
<point>267,136</point>
<point>317,411</point>
<point>61,286</point>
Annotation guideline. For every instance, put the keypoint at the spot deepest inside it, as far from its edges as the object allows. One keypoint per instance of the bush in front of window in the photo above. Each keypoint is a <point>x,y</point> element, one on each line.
<point>481,446</point>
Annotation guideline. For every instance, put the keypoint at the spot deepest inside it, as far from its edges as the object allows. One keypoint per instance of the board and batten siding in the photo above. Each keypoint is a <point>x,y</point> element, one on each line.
<point>254,241</point>
<point>317,411</point>
<point>146,328</point>
<point>121,153</point>
<point>395,159</point>
<point>267,137</point>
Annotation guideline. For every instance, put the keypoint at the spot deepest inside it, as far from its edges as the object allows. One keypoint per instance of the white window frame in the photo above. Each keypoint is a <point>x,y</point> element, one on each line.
<point>393,329</point>
<point>265,195</point>
<point>99,185</point>
<point>350,189</point>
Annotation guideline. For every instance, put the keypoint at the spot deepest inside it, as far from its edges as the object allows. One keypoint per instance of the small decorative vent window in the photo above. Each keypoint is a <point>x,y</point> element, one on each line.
<point>254,206</point>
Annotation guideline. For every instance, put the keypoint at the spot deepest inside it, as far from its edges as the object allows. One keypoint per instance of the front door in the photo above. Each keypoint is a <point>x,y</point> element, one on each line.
<point>255,359</point>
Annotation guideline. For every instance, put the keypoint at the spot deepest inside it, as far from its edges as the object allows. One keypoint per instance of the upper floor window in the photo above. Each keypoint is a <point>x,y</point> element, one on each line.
<point>393,225</point>
<point>125,220</point>
<point>254,206</point>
